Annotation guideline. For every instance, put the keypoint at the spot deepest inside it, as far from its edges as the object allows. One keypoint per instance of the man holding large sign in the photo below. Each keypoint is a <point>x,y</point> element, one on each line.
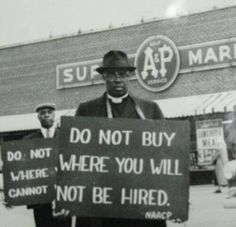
<point>118,103</point>
<point>122,171</point>
<point>43,213</point>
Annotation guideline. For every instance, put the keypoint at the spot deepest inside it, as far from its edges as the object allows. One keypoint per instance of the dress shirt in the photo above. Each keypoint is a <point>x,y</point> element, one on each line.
<point>48,133</point>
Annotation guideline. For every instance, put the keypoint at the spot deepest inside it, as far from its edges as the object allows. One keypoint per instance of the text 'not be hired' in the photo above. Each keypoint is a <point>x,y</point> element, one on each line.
<point>124,168</point>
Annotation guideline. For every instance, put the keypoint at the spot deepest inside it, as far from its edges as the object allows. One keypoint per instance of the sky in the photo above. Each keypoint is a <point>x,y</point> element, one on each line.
<point>23,21</point>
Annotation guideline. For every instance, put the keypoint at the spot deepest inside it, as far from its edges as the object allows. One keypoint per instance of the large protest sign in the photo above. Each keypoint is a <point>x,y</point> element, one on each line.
<point>124,168</point>
<point>29,171</point>
<point>208,132</point>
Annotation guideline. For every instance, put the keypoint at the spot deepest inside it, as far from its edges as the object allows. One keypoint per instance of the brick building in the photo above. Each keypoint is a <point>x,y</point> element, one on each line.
<point>33,73</point>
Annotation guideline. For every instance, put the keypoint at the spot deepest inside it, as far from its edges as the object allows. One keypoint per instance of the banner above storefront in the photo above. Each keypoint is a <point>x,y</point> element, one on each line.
<point>209,55</point>
<point>196,57</point>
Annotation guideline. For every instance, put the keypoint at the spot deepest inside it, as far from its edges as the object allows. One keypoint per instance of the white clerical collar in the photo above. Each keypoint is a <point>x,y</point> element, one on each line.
<point>117,99</point>
<point>48,133</point>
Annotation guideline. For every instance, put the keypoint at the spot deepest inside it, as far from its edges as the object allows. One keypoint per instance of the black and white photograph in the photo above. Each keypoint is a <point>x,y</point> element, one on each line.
<point>118,113</point>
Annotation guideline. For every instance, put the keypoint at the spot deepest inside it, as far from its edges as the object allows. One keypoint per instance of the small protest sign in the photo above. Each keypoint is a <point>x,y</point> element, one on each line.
<point>208,133</point>
<point>29,171</point>
<point>124,168</point>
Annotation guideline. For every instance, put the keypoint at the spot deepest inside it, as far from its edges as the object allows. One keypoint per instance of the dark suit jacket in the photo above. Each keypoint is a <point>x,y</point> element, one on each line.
<point>97,108</point>
<point>38,134</point>
<point>43,212</point>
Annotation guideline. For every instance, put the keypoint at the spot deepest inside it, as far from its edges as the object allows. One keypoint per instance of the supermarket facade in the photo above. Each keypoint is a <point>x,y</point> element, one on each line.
<point>186,64</point>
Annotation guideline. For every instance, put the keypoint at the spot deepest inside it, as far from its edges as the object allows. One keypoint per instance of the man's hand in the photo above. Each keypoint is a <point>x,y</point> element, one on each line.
<point>177,220</point>
<point>2,200</point>
<point>59,214</point>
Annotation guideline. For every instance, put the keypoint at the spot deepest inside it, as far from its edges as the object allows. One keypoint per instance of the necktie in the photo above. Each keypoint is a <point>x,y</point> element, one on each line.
<point>47,133</point>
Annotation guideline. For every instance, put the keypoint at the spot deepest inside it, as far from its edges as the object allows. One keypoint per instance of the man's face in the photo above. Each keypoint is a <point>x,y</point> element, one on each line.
<point>116,82</point>
<point>46,117</point>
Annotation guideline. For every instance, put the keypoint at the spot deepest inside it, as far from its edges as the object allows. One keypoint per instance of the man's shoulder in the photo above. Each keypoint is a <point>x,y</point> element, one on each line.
<point>36,134</point>
<point>150,108</point>
<point>144,101</point>
<point>90,107</point>
<point>92,102</point>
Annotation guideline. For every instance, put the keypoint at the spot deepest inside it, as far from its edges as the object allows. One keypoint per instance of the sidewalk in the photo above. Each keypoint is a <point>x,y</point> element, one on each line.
<point>17,216</point>
<point>206,210</point>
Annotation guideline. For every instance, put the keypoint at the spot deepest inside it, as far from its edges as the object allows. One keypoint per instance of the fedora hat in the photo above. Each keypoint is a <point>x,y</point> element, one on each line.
<point>115,59</point>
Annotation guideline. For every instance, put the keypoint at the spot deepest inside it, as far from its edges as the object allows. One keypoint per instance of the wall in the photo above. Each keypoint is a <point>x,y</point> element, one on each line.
<point>28,72</point>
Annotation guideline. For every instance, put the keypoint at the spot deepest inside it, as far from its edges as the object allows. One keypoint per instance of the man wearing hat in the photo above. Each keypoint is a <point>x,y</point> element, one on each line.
<point>43,213</point>
<point>117,102</point>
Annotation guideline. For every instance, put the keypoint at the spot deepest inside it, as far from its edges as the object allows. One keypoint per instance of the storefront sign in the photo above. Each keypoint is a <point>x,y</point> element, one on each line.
<point>158,63</point>
<point>81,74</point>
<point>210,55</point>
<point>208,132</point>
<point>124,168</point>
<point>78,74</point>
<point>29,171</point>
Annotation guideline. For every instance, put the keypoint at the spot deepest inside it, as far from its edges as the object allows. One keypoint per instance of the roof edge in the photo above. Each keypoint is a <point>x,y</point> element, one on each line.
<point>99,30</point>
